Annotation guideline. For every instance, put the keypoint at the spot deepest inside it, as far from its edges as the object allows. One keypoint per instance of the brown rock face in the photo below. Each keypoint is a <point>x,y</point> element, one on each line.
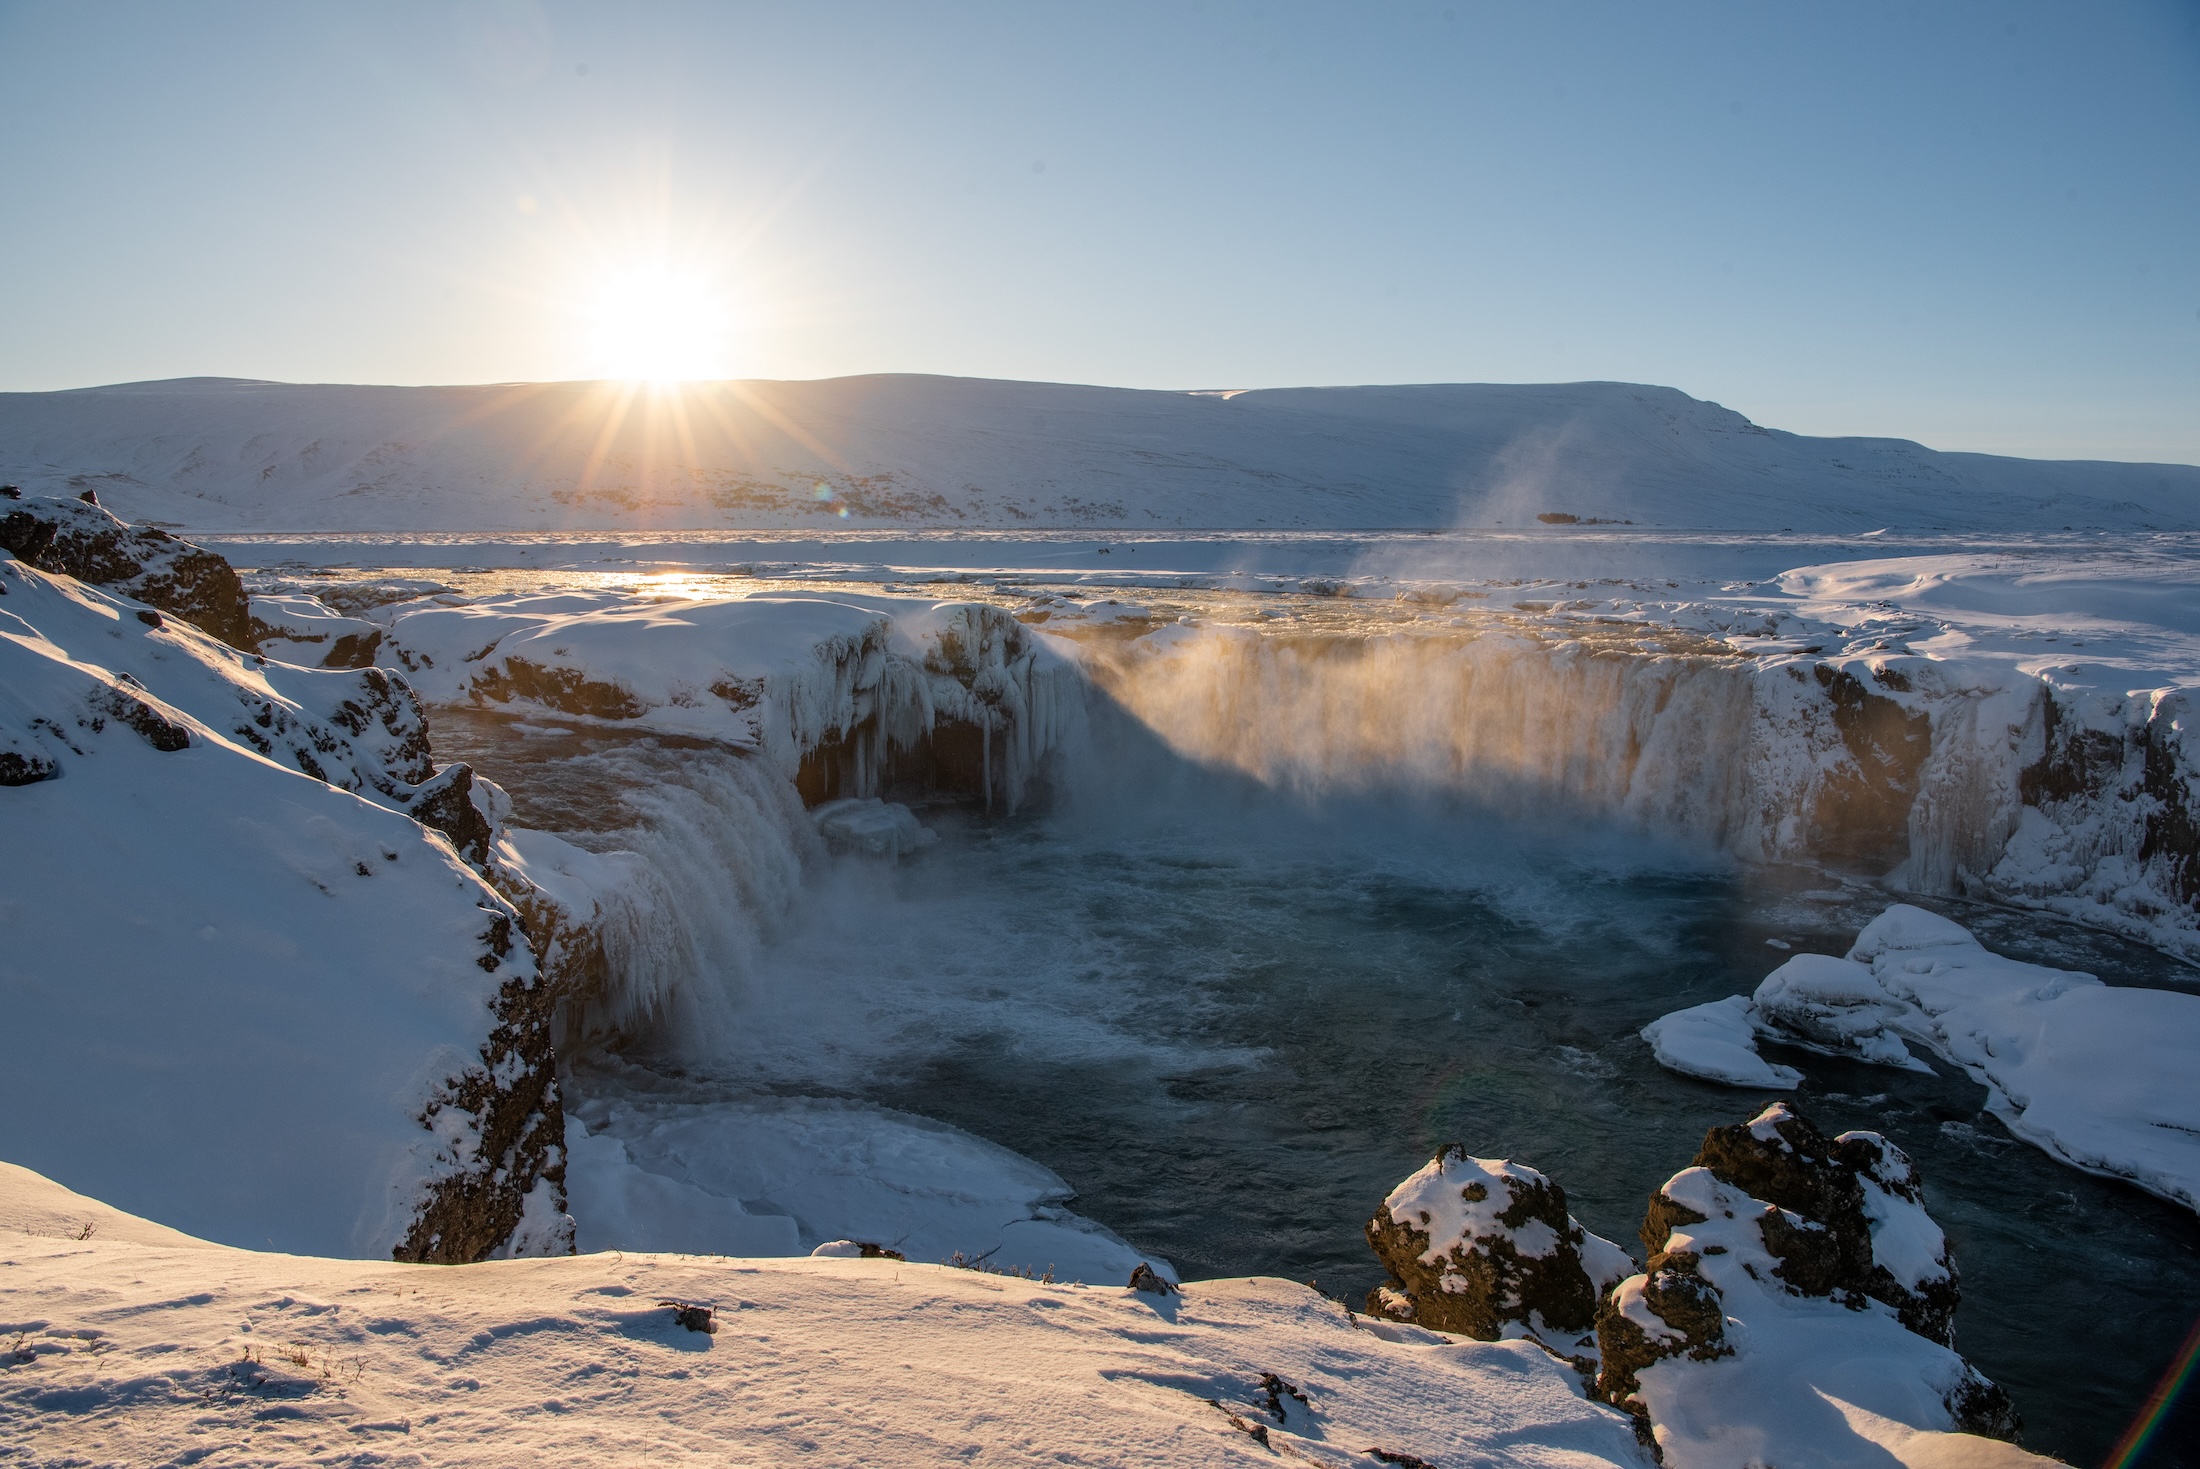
<point>566,689</point>
<point>1812,1201</point>
<point>1687,1307</point>
<point>445,803</point>
<point>507,1131</point>
<point>78,538</point>
<point>1863,810</point>
<point>1474,1244</point>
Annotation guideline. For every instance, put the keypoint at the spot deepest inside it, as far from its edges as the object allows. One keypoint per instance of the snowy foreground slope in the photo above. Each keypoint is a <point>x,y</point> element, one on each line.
<point>258,1003</point>
<point>139,1345</point>
<point>134,1343</point>
<point>222,454</point>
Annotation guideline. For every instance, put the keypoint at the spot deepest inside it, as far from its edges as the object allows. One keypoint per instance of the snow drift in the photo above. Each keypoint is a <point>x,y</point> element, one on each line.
<point>226,454</point>
<point>239,997</point>
<point>130,1343</point>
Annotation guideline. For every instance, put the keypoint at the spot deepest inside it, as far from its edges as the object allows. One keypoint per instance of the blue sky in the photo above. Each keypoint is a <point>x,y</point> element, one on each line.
<point>1971,224</point>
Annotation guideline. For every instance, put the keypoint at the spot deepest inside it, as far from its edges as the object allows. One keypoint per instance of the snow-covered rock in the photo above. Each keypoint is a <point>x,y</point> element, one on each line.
<point>2098,1076</point>
<point>137,1345</point>
<point>239,998</point>
<point>77,538</point>
<point>1484,1247</point>
<point>1718,1042</point>
<point>303,630</point>
<point>871,827</point>
<point>362,730</point>
<point>2111,826</point>
<point>1797,1307</point>
<point>1872,1239</point>
<point>1731,1367</point>
<point>845,694</point>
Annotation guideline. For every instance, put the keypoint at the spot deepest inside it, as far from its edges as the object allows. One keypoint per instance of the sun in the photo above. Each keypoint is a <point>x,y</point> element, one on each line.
<point>656,324</point>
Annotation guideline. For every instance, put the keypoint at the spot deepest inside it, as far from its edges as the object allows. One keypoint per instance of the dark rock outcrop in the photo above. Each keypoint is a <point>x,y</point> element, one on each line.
<point>1689,1320</point>
<point>502,1126</point>
<point>1486,1248</point>
<point>445,803</point>
<point>1815,1205</point>
<point>1781,1159</point>
<point>79,539</point>
<point>1863,807</point>
<point>565,689</point>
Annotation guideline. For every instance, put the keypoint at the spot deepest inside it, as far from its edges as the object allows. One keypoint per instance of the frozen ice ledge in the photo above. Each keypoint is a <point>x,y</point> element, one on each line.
<point>2098,1076</point>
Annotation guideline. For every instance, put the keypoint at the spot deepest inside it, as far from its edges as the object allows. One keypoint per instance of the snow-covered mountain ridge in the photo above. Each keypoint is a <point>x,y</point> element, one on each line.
<point>218,454</point>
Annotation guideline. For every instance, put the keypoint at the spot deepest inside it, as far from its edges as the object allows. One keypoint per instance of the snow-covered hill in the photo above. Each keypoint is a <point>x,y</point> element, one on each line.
<point>214,454</point>
<point>237,996</point>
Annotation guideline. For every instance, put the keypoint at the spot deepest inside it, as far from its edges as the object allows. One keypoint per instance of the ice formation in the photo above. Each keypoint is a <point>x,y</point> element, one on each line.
<point>1948,775</point>
<point>760,1175</point>
<point>2098,1076</point>
<point>843,693</point>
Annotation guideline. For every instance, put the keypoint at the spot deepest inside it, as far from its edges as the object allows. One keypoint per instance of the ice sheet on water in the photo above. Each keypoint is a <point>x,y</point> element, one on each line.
<point>2098,1076</point>
<point>755,1175</point>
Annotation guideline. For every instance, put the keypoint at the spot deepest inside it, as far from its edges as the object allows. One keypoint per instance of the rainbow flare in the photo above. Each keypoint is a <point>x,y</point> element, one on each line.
<point>2136,1437</point>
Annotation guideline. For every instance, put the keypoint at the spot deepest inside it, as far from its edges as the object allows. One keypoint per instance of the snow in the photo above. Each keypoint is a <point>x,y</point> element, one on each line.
<point>302,630</point>
<point>2097,1076</point>
<point>760,1175</point>
<point>1809,1381</point>
<point>230,989</point>
<point>1718,1042</point>
<point>360,730</point>
<point>1458,1199</point>
<point>224,454</point>
<point>137,1345</point>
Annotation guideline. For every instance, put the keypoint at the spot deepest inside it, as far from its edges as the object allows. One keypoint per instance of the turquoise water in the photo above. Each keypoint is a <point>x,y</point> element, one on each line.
<point>1306,1010</point>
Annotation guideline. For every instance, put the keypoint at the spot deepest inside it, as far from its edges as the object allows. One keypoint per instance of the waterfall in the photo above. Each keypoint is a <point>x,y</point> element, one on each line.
<point>1927,773</point>
<point>1934,776</point>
